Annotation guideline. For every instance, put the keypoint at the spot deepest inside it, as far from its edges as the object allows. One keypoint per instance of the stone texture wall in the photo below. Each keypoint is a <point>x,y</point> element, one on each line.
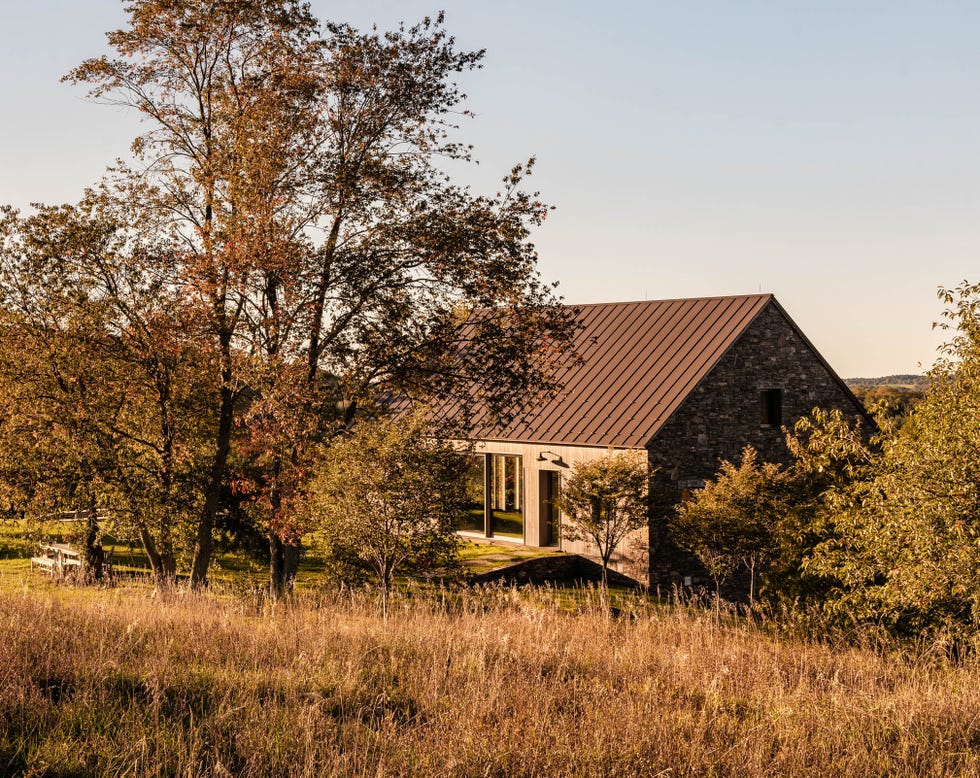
<point>723,415</point>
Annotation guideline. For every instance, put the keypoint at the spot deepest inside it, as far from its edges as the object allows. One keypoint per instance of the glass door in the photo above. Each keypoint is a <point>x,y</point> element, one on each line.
<point>506,496</point>
<point>549,483</point>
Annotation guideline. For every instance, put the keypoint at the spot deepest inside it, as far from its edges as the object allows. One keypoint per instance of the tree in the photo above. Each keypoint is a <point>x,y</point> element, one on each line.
<point>835,459</point>
<point>892,401</point>
<point>225,87</point>
<point>770,519</point>
<point>733,520</point>
<point>604,502</point>
<point>100,386</point>
<point>907,550</point>
<point>329,260</point>
<point>389,498</point>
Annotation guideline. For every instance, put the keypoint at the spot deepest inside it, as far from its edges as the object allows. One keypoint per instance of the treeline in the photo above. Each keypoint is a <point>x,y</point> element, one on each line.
<point>283,255</point>
<point>893,401</point>
<point>911,380</point>
<point>865,527</point>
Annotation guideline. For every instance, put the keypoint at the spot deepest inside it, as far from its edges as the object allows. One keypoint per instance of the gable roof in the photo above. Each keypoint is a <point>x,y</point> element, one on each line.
<point>640,360</point>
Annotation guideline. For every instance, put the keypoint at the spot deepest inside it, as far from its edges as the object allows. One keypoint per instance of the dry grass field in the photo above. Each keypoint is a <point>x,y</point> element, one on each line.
<point>488,683</point>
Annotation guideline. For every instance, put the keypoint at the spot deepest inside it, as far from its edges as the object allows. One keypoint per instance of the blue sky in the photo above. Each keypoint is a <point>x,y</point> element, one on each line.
<point>828,152</point>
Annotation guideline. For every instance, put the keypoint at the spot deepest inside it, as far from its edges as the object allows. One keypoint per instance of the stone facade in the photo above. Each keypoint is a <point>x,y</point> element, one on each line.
<point>724,413</point>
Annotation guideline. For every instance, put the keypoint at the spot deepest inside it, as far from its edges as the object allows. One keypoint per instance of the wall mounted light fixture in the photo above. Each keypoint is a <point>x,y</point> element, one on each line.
<point>551,456</point>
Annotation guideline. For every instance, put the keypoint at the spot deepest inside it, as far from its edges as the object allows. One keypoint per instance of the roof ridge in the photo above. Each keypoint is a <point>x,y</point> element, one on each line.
<point>758,295</point>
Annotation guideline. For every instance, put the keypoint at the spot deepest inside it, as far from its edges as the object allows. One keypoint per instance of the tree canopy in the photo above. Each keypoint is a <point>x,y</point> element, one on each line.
<point>733,521</point>
<point>390,497</point>
<point>284,250</point>
<point>605,501</point>
<point>907,550</point>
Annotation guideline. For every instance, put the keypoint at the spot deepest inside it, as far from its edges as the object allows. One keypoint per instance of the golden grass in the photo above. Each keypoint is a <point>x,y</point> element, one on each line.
<point>492,683</point>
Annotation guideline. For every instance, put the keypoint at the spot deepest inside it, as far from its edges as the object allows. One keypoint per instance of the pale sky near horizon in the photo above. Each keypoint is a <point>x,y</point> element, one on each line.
<point>828,152</point>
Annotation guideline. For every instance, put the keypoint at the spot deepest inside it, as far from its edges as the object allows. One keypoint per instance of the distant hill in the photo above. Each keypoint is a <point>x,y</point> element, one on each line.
<point>908,379</point>
<point>893,395</point>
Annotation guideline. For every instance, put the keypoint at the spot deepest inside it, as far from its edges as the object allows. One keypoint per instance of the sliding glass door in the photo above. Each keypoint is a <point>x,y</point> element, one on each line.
<point>475,519</point>
<point>495,496</point>
<point>506,496</point>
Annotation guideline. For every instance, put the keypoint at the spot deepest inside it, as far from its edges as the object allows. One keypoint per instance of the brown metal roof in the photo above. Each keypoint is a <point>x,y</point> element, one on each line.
<point>639,361</point>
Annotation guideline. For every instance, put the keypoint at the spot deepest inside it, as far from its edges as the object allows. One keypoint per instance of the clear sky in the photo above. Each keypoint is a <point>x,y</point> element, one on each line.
<point>828,152</point>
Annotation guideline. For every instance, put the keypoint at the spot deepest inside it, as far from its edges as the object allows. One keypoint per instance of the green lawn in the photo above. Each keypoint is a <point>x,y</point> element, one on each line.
<point>18,544</point>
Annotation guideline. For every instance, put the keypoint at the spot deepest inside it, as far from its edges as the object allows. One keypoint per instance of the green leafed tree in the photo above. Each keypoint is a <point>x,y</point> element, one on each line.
<point>733,521</point>
<point>604,502</point>
<point>389,497</point>
<point>770,518</point>
<point>907,548</point>
<point>835,458</point>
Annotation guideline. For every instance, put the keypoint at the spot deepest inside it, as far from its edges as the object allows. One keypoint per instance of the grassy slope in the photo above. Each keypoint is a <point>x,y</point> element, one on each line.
<point>493,683</point>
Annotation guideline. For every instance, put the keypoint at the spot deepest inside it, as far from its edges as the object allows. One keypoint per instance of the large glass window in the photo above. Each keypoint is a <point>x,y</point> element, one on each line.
<point>476,487</point>
<point>506,496</point>
<point>495,496</point>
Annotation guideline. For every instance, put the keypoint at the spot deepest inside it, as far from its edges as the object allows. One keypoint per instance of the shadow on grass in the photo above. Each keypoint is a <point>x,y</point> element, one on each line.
<point>14,551</point>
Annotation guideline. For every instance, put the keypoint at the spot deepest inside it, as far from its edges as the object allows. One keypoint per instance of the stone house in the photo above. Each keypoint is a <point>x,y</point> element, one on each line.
<point>681,383</point>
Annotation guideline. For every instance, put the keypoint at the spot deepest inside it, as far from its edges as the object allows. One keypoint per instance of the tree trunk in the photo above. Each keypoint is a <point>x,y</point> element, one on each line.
<point>604,586</point>
<point>212,501</point>
<point>163,565</point>
<point>283,564</point>
<point>277,565</point>
<point>290,564</point>
<point>94,553</point>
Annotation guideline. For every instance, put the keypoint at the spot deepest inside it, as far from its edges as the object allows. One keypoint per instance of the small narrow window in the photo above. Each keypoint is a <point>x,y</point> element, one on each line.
<point>771,407</point>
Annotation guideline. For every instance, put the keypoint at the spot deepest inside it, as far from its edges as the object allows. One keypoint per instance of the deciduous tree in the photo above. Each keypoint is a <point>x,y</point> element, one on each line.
<point>225,87</point>
<point>734,519</point>
<point>389,498</point>
<point>102,385</point>
<point>604,502</point>
<point>329,258</point>
<point>907,552</point>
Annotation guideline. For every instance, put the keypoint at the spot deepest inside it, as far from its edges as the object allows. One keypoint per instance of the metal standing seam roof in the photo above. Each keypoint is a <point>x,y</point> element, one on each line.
<point>639,361</point>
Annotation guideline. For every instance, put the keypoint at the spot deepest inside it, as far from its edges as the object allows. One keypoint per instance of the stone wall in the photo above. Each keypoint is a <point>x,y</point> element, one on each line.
<point>723,414</point>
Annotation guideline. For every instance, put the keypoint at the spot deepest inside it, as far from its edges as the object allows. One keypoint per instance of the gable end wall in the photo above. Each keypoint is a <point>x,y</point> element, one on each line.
<point>722,415</point>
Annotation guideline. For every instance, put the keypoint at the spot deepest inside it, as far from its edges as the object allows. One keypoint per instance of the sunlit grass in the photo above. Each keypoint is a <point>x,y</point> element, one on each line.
<point>486,682</point>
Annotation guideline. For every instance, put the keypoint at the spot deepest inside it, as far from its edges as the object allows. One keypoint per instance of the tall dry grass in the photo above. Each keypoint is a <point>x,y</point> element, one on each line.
<point>485,684</point>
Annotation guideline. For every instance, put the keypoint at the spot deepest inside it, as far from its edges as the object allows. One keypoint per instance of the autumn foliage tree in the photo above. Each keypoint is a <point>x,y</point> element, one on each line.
<point>223,87</point>
<point>102,395</point>
<point>288,206</point>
